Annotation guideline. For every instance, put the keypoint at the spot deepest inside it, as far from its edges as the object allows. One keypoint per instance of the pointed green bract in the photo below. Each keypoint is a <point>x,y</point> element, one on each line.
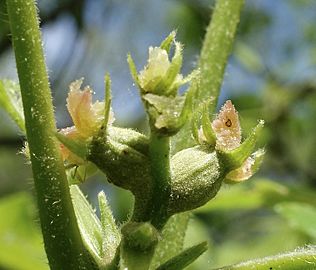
<point>111,234</point>
<point>207,126</point>
<point>78,147</point>
<point>166,44</point>
<point>235,158</point>
<point>101,238</point>
<point>107,98</point>
<point>185,258</point>
<point>133,69</point>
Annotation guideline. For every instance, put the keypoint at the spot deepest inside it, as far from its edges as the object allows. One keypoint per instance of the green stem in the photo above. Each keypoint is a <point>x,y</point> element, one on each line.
<point>217,46</point>
<point>303,259</point>
<point>63,243</point>
<point>159,154</point>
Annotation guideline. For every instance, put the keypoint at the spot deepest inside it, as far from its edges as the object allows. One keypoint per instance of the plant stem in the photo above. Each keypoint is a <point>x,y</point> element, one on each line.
<point>303,259</point>
<point>63,243</point>
<point>159,154</point>
<point>217,46</point>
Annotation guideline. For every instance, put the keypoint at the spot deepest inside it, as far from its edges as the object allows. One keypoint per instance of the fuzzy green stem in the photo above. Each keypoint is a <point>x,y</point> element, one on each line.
<point>217,46</point>
<point>303,259</point>
<point>159,154</point>
<point>63,243</point>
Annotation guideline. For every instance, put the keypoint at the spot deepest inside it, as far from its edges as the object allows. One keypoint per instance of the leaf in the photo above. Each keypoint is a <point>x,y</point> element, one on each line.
<point>96,236</point>
<point>301,216</point>
<point>185,258</point>
<point>172,239</point>
<point>256,194</point>
<point>11,102</point>
<point>111,234</point>
<point>21,242</point>
<point>299,259</point>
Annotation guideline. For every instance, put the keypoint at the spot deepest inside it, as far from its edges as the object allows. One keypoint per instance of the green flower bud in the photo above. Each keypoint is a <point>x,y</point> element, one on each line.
<point>196,178</point>
<point>122,155</point>
<point>159,82</point>
<point>140,235</point>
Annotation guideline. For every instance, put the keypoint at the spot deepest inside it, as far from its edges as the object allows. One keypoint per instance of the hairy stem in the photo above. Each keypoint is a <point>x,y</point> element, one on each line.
<point>303,259</point>
<point>217,46</point>
<point>159,154</point>
<point>63,243</point>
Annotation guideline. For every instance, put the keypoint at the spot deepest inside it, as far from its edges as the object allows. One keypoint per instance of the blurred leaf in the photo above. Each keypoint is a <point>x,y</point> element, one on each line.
<point>172,240</point>
<point>301,216</point>
<point>300,259</point>
<point>248,57</point>
<point>196,233</point>
<point>257,194</point>
<point>11,102</point>
<point>185,258</point>
<point>21,243</point>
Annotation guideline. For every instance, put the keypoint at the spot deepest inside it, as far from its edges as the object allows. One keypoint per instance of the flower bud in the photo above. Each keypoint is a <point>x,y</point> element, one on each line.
<point>159,82</point>
<point>196,178</point>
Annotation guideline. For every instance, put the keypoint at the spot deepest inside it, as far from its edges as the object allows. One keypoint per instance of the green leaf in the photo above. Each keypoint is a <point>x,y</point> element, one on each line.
<point>300,259</point>
<point>21,242</point>
<point>185,258</point>
<point>101,239</point>
<point>301,216</point>
<point>172,239</point>
<point>11,102</point>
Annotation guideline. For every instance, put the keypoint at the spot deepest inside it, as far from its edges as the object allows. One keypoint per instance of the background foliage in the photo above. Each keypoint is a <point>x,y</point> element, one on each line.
<point>271,76</point>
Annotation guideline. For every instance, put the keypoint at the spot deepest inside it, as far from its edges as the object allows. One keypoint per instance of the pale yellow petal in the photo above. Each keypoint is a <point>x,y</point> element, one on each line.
<point>226,127</point>
<point>87,117</point>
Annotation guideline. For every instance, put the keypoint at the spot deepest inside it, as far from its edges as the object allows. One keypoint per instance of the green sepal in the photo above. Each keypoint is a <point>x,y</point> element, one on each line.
<point>235,158</point>
<point>167,42</point>
<point>133,70</point>
<point>11,102</point>
<point>76,146</point>
<point>185,258</point>
<point>100,239</point>
<point>257,158</point>
<point>169,114</point>
<point>107,99</point>
<point>196,178</point>
<point>207,126</point>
